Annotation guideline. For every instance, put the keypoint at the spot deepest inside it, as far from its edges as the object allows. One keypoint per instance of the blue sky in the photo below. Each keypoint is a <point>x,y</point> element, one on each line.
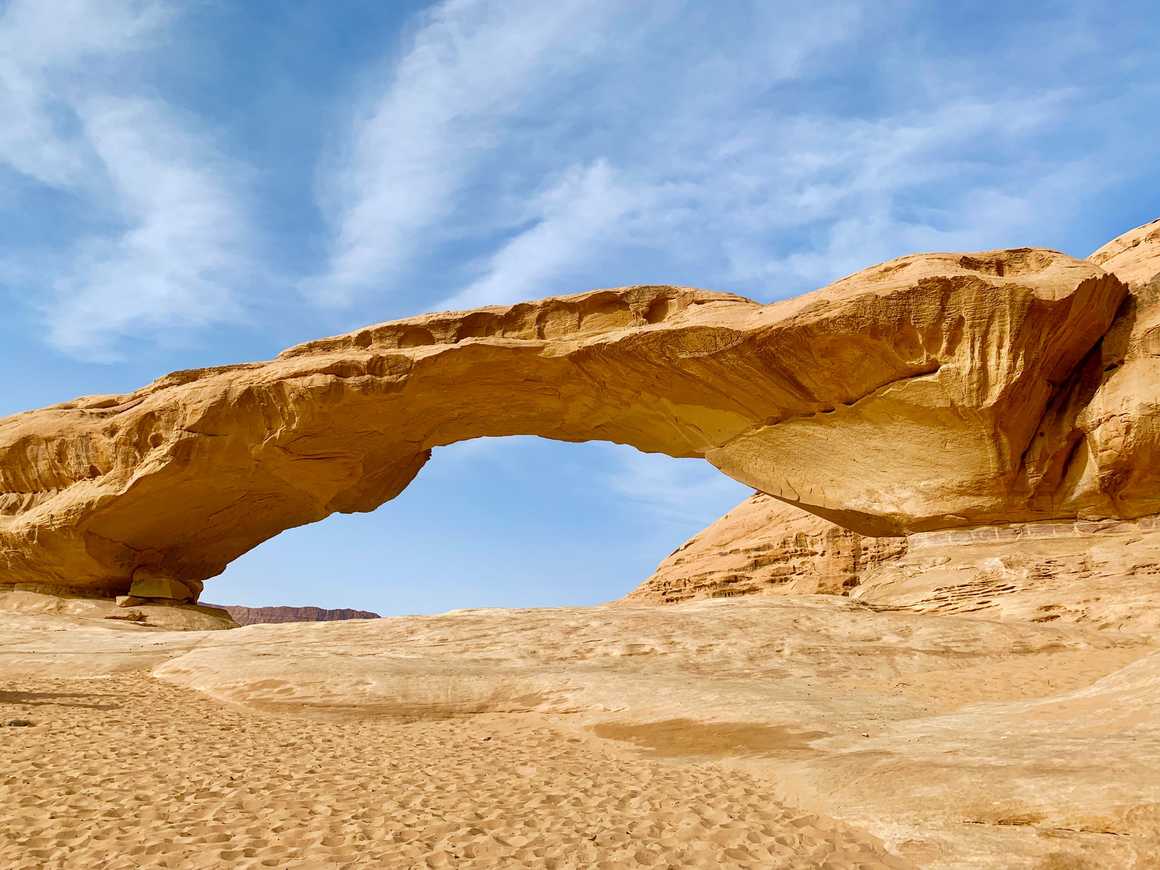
<point>193,183</point>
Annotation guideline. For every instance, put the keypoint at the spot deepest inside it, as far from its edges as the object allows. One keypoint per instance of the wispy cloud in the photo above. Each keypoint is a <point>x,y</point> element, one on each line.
<point>541,130</point>
<point>73,121</point>
<point>472,67</point>
<point>47,53</point>
<point>574,218</point>
<point>505,149</point>
<point>520,149</point>
<point>730,205</point>
<point>849,192</point>
<point>685,491</point>
<point>184,244</point>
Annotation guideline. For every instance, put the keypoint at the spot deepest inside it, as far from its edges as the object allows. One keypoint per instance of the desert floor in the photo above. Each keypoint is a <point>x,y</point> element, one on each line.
<point>773,732</point>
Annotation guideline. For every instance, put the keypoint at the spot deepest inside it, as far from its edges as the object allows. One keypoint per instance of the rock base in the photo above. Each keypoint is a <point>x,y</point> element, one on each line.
<point>154,613</point>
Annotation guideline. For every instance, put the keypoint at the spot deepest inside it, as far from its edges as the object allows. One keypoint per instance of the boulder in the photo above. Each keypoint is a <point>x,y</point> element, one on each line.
<point>149,584</point>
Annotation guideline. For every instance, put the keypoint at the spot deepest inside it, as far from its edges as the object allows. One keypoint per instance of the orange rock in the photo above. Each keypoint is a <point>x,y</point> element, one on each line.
<point>767,547</point>
<point>901,399</point>
<point>1095,455</point>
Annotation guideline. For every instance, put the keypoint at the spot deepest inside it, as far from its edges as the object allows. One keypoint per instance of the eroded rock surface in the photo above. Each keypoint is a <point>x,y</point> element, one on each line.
<point>1094,455</point>
<point>1099,574</point>
<point>1106,434</point>
<point>17,604</point>
<point>767,547</point>
<point>904,398</point>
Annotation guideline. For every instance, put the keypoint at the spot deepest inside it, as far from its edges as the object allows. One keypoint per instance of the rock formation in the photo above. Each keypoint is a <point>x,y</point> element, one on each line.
<point>930,392</point>
<point>762,547</point>
<point>1096,450</point>
<point>1105,430</point>
<point>269,615</point>
<point>1100,574</point>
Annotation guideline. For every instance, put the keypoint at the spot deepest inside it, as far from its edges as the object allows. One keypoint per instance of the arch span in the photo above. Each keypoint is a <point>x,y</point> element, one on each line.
<point>900,399</point>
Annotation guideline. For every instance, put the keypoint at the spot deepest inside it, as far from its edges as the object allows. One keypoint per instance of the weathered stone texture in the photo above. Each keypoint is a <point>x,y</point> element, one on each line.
<point>909,397</point>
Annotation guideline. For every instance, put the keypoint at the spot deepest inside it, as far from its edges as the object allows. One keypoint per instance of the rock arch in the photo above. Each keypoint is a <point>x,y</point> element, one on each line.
<point>904,398</point>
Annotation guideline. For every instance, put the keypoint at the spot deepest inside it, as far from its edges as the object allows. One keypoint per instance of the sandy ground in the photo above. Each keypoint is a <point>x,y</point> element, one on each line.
<point>131,772</point>
<point>791,732</point>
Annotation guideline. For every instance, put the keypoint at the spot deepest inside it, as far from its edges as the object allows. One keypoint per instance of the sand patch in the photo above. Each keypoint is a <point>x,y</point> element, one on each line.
<point>686,738</point>
<point>166,777</point>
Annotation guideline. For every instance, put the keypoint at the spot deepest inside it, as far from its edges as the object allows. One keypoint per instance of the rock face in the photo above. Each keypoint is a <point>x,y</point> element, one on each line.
<point>929,392</point>
<point>265,615</point>
<point>1100,574</point>
<point>1096,453</point>
<point>143,613</point>
<point>1103,575</point>
<point>1106,433</point>
<point>762,547</point>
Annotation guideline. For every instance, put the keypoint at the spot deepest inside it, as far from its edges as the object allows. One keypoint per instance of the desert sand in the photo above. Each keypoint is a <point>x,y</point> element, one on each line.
<point>145,774</point>
<point>799,731</point>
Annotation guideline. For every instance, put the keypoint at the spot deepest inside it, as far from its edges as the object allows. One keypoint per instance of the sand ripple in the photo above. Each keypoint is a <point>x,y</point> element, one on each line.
<point>128,772</point>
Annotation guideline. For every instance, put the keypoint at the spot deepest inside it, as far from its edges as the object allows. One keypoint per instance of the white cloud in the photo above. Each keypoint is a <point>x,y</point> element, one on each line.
<point>849,180</point>
<point>486,124</point>
<point>470,69</point>
<point>679,490</point>
<point>515,149</point>
<point>733,201</point>
<point>573,217</point>
<point>184,244</point>
<point>662,164</point>
<point>135,162</point>
<point>47,52</point>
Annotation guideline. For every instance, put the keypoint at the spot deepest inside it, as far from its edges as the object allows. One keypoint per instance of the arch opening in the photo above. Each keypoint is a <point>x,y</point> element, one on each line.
<point>493,522</point>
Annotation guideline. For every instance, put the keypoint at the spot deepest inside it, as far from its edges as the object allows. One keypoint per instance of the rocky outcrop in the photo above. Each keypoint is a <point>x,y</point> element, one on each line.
<point>150,614</point>
<point>1100,574</point>
<point>267,615</point>
<point>1104,432</point>
<point>1103,575</point>
<point>912,396</point>
<point>1095,454</point>
<point>766,547</point>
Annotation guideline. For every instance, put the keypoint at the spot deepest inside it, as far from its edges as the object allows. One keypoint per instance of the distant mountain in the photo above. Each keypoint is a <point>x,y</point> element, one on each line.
<point>255,615</point>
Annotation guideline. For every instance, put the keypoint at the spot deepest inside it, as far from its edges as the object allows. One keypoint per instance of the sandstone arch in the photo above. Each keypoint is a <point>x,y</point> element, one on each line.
<point>1099,455</point>
<point>904,398</point>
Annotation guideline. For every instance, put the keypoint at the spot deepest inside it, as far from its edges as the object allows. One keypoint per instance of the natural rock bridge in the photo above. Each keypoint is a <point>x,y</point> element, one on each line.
<point>929,392</point>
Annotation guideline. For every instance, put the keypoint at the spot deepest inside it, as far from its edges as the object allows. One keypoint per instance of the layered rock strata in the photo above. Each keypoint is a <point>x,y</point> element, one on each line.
<point>767,547</point>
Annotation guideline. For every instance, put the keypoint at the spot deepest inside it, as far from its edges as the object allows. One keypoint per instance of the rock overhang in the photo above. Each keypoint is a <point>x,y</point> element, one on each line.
<point>903,398</point>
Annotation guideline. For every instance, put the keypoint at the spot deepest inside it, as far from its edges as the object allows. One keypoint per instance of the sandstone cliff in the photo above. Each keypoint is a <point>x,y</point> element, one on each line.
<point>1096,449</point>
<point>765,546</point>
<point>267,615</point>
<point>929,392</point>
